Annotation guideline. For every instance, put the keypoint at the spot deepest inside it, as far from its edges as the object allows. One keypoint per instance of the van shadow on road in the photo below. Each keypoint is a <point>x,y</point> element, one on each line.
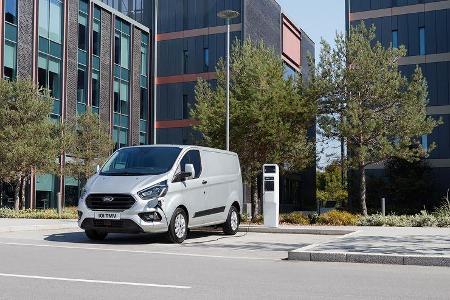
<point>197,239</point>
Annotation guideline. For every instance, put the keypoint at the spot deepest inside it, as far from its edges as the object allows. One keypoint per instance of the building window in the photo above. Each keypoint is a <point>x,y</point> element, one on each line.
<point>81,87</point>
<point>143,124</point>
<point>205,59</point>
<point>49,77</point>
<point>121,82</point>
<point>83,26</point>
<point>185,61</point>
<point>422,41</point>
<point>95,89</point>
<point>394,38</point>
<point>50,50</point>
<point>9,69</point>
<point>10,39</point>
<point>11,11</point>
<point>425,142</point>
<point>96,36</point>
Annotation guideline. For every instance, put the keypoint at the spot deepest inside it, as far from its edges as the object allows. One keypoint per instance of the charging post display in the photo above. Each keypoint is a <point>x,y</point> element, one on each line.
<point>271,195</point>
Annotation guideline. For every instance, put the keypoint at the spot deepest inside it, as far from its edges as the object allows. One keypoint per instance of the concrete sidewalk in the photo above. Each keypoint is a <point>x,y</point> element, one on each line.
<point>13,225</point>
<point>383,245</point>
<point>294,229</point>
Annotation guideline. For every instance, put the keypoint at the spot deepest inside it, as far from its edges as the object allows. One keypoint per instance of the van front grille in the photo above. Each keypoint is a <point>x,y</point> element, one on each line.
<point>114,202</point>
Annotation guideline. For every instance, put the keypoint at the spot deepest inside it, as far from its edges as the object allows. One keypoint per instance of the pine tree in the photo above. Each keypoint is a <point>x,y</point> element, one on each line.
<point>363,97</point>
<point>270,116</point>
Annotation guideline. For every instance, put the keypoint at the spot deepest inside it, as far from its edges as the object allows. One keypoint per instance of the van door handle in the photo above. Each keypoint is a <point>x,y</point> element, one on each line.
<point>204,182</point>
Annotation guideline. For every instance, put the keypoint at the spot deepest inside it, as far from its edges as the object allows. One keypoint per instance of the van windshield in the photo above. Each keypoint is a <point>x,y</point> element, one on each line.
<point>141,161</point>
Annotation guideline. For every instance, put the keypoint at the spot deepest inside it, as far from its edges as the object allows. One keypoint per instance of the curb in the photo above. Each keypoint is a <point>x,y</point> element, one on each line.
<point>37,227</point>
<point>313,231</point>
<point>364,258</point>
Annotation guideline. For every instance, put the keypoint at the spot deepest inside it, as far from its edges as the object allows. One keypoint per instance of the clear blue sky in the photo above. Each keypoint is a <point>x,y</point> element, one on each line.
<point>319,19</point>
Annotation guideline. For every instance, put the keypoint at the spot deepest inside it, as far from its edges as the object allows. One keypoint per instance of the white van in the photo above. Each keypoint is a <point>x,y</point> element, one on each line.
<point>163,188</point>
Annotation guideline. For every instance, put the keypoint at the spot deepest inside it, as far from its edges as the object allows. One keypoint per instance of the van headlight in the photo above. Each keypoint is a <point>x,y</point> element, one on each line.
<point>154,192</point>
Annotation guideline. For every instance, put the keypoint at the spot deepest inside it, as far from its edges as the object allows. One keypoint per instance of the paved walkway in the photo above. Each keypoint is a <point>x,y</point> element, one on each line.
<point>11,225</point>
<point>391,245</point>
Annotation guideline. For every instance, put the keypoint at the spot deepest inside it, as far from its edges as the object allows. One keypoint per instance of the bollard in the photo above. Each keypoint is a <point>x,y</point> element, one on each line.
<point>383,207</point>
<point>59,199</point>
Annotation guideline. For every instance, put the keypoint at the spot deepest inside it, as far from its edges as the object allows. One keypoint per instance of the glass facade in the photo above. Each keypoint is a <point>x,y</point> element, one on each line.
<point>144,106</point>
<point>50,77</point>
<point>50,50</point>
<point>10,40</point>
<point>121,82</point>
<point>132,8</point>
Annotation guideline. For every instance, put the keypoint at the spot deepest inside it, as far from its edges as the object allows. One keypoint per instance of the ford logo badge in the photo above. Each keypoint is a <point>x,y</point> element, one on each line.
<point>108,199</point>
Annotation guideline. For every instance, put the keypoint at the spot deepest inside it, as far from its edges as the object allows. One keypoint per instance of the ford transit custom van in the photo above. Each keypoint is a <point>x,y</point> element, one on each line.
<point>154,189</point>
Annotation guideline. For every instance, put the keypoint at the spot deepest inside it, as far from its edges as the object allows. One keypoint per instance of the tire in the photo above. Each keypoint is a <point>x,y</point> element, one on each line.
<point>95,235</point>
<point>231,226</point>
<point>178,228</point>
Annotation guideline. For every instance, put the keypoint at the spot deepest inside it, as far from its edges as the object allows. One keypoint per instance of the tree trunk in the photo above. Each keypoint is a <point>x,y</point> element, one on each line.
<point>362,189</point>
<point>255,206</point>
<point>17,195</point>
<point>22,193</point>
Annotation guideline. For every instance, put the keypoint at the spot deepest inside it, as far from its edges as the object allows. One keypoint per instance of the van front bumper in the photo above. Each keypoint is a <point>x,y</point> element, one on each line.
<point>130,221</point>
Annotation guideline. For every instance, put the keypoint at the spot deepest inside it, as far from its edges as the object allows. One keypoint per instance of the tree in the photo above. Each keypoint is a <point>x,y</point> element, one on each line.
<point>269,115</point>
<point>363,97</point>
<point>28,138</point>
<point>329,184</point>
<point>87,143</point>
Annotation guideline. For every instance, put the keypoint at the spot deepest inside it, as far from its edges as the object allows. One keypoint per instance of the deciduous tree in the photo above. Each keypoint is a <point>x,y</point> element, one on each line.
<point>87,143</point>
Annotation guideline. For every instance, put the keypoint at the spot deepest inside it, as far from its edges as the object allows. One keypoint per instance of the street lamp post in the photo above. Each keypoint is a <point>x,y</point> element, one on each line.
<point>228,15</point>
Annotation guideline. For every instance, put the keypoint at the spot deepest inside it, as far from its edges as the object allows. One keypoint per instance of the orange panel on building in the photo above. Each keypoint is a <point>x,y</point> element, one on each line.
<point>291,44</point>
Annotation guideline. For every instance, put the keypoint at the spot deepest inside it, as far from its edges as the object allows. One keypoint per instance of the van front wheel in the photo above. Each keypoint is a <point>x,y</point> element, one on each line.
<point>231,226</point>
<point>178,227</point>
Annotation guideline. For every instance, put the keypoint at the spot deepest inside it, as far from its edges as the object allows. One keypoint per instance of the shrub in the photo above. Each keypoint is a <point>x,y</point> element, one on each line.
<point>296,218</point>
<point>423,219</point>
<point>68,213</point>
<point>338,218</point>
<point>259,219</point>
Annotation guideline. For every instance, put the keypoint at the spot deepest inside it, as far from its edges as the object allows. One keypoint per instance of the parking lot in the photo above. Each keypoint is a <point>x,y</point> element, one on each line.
<point>64,264</point>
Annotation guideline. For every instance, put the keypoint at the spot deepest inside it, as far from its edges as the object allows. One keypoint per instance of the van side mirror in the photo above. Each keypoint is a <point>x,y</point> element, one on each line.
<point>189,168</point>
<point>98,169</point>
<point>180,177</point>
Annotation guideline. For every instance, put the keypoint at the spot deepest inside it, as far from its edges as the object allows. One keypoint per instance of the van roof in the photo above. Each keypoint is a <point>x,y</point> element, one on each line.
<point>182,147</point>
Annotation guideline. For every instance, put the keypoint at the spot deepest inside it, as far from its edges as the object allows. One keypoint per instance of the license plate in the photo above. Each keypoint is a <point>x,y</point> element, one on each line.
<point>106,216</point>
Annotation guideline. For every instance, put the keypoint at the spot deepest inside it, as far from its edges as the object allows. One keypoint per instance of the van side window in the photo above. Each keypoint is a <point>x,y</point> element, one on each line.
<point>192,157</point>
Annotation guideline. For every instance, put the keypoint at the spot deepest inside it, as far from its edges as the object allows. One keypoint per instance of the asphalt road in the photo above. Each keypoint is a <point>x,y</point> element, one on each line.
<point>65,265</point>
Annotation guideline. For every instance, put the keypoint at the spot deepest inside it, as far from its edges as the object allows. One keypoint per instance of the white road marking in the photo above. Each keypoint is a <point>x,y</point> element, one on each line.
<point>168,286</point>
<point>137,251</point>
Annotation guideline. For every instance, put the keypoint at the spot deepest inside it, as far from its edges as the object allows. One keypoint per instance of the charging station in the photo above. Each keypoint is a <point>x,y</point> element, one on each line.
<point>271,195</point>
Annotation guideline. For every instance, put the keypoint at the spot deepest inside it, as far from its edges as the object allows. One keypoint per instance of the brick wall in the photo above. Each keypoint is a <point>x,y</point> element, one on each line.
<point>25,39</point>
<point>72,60</point>
<point>136,89</point>
<point>106,99</point>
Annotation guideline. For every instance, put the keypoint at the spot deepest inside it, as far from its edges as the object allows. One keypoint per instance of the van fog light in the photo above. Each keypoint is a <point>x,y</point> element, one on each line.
<point>150,216</point>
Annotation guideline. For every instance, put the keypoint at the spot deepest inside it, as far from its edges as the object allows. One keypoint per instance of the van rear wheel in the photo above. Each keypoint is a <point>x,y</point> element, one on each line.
<point>231,226</point>
<point>96,235</point>
<point>178,227</point>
